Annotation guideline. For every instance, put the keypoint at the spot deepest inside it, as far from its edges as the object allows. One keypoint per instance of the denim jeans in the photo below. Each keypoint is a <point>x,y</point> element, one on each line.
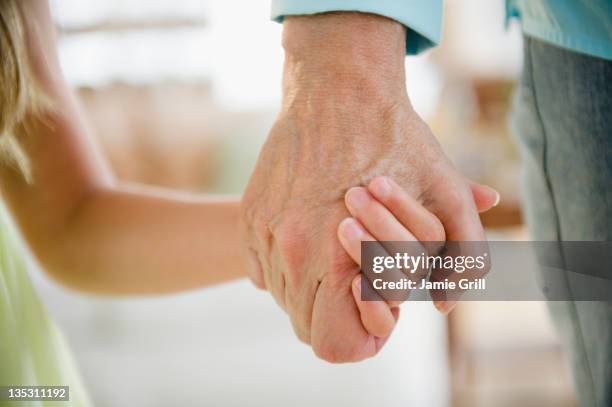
<point>562,121</point>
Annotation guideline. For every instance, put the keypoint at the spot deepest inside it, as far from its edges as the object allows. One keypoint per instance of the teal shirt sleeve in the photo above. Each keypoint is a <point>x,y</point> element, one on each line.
<point>422,18</point>
<point>583,26</point>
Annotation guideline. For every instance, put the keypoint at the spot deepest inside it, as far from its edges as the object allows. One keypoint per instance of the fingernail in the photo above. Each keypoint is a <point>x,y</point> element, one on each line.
<point>351,229</point>
<point>497,198</point>
<point>497,195</point>
<point>356,198</point>
<point>380,187</point>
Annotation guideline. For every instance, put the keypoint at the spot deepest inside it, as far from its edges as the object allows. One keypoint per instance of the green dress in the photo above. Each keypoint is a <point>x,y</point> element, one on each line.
<point>32,349</point>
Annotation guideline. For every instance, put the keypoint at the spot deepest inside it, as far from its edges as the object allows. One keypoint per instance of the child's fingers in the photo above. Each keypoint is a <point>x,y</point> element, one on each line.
<point>485,197</point>
<point>351,233</point>
<point>375,217</point>
<point>424,225</point>
<point>376,316</point>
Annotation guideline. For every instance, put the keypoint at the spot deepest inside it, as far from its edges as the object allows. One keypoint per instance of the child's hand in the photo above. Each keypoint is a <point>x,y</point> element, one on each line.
<point>385,212</point>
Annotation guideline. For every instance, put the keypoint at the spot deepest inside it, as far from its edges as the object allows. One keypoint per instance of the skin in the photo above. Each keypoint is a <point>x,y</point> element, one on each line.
<point>95,234</point>
<point>91,232</point>
<point>381,212</point>
<point>345,119</point>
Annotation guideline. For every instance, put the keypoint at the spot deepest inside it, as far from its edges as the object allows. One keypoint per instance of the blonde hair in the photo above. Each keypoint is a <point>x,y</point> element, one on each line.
<point>17,89</point>
<point>13,68</point>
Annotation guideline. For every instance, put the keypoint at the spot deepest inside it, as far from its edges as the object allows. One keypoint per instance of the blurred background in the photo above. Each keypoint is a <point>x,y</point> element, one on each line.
<point>182,94</point>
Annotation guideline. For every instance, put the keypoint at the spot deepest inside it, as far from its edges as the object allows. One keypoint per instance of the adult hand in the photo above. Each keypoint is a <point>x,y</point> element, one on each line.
<point>345,118</point>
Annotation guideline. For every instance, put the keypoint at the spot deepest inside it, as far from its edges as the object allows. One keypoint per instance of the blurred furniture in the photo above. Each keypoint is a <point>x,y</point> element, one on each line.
<point>506,354</point>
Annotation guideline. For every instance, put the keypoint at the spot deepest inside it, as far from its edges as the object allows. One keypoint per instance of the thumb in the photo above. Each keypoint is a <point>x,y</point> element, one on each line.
<point>485,197</point>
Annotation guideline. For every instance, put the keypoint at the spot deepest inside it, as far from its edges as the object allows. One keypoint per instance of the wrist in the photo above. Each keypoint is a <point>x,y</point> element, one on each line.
<point>335,53</point>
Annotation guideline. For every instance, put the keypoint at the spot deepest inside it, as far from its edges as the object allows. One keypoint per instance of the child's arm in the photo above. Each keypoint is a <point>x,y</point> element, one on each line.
<point>90,232</point>
<point>385,212</point>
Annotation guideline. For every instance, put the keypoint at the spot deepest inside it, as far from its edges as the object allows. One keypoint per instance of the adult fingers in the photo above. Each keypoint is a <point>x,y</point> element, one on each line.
<point>455,207</point>
<point>338,335</point>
